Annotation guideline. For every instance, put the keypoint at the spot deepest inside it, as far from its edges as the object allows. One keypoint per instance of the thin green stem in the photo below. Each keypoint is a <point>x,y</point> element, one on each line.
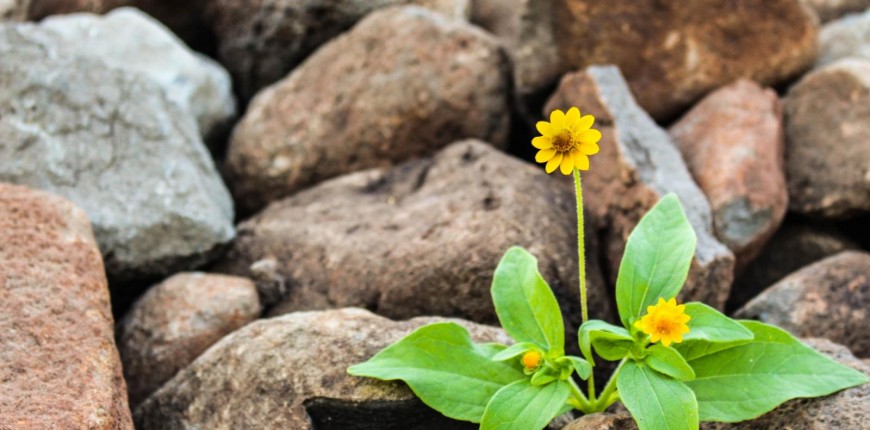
<point>609,395</point>
<point>579,399</point>
<point>581,247</point>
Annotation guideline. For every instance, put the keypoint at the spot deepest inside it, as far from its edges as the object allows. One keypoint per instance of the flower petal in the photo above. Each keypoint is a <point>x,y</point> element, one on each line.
<point>567,165</point>
<point>581,161</point>
<point>545,155</point>
<point>572,117</point>
<point>589,148</point>
<point>589,136</point>
<point>542,142</point>
<point>666,341</point>
<point>544,128</point>
<point>553,163</point>
<point>584,123</point>
<point>557,120</point>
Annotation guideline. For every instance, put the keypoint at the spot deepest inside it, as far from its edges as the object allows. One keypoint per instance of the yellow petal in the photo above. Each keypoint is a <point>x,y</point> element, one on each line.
<point>567,165</point>
<point>666,341</point>
<point>572,117</point>
<point>589,136</point>
<point>545,155</point>
<point>581,161</point>
<point>557,119</point>
<point>584,123</point>
<point>639,324</point>
<point>681,308</point>
<point>654,337</point>
<point>684,329</point>
<point>589,148</point>
<point>661,302</point>
<point>542,142</point>
<point>553,163</point>
<point>672,302</point>
<point>544,128</point>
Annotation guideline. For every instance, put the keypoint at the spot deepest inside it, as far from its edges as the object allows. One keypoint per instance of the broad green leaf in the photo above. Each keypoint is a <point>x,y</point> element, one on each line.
<point>444,369</point>
<point>522,405</point>
<point>526,307</point>
<point>611,342</point>
<point>669,362</point>
<point>746,381</point>
<point>514,351</point>
<point>656,401</point>
<point>710,331</point>
<point>656,260</point>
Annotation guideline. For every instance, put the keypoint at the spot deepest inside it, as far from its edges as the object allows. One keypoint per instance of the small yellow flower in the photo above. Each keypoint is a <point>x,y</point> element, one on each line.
<point>665,321</point>
<point>566,141</point>
<point>532,359</point>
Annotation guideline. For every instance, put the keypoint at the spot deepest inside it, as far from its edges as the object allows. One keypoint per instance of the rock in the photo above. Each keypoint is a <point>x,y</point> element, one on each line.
<point>12,10</point>
<point>136,43</point>
<point>175,321</point>
<point>829,10</point>
<point>639,164</point>
<point>60,366</point>
<point>290,372</point>
<point>603,421</point>
<point>424,82</point>
<point>261,41</point>
<point>827,122</point>
<point>420,239</point>
<point>733,143</point>
<point>39,9</point>
<point>827,299</point>
<point>114,145</point>
<point>843,38</point>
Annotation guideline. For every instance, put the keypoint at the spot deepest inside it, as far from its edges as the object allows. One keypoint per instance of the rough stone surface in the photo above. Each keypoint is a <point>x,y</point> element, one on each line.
<point>12,10</point>
<point>39,9</point>
<point>425,81</point>
<point>638,164</point>
<point>827,120</point>
<point>175,321</point>
<point>260,41</point>
<point>290,372</point>
<point>113,144</point>
<point>134,42</point>
<point>420,239</point>
<point>60,367</point>
<point>843,38</point>
<point>603,421</point>
<point>832,9</point>
<point>829,299</point>
<point>733,143</point>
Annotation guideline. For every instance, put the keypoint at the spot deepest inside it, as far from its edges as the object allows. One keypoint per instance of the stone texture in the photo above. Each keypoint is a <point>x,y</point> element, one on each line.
<point>843,38</point>
<point>424,81</point>
<point>136,43</point>
<point>420,239</point>
<point>113,144</point>
<point>603,421</point>
<point>261,41</point>
<point>832,9</point>
<point>638,164</point>
<point>290,372</point>
<point>60,366</point>
<point>39,9</point>
<point>12,10</point>
<point>830,299</point>
<point>733,143</point>
<point>827,120</point>
<point>178,319</point>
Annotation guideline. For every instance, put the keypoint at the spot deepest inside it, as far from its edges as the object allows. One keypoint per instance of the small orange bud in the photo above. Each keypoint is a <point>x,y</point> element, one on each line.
<point>531,360</point>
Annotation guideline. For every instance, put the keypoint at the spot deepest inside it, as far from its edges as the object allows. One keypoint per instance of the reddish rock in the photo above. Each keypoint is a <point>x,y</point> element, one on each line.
<point>829,10</point>
<point>827,122</point>
<point>60,368</point>
<point>178,319</point>
<point>639,164</point>
<point>733,143</point>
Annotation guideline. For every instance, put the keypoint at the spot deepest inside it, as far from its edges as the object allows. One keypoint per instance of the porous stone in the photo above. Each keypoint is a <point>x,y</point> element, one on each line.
<point>290,372</point>
<point>178,319</point>
<point>136,43</point>
<point>422,238</point>
<point>60,366</point>
<point>638,165</point>
<point>827,121</point>
<point>733,144</point>
<point>829,299</point>
<point>844,38</point>
<point>424,81</point>
<point>829,10</point>
<point>261,41</point>
<point>112,143</point>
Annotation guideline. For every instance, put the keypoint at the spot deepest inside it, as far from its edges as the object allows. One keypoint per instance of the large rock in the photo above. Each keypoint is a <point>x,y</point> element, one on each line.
<point>843,38</point>
<point>639,164</point>
<point>290,372</point>
<point>733,143</point>
<point>420,239</point>
<point>827,120</point>
<point>175,321</point>
<point>827,299</point>
<point>136,43</point>
<point>12,10</point>
<point>260,41</point>
<point>417,82</point>
<point>39,9</point>
<point>117,147</point>
<point>60,367</point>
<point>832,9</point>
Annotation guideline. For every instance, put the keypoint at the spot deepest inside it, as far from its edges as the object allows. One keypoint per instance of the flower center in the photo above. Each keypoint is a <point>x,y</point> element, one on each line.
<point>531,360</point>
<point>664,327</point>
<point>563,141</point>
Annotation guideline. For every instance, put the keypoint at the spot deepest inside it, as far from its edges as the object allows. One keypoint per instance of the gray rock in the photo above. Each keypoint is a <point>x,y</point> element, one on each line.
<point>11,10</point>
<point>638,165</point>
<point>136,43</point>
<point>113,144</point>
<point>829,10</point>
<point>843,38</point>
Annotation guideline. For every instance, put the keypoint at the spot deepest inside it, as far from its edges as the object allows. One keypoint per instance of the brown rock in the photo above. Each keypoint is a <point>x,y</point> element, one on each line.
<point>733,143</point>
<point>417,82</point>
<point>603,421</point>
<point>178,319</point>
<point>829,10</point>
<point>60,367</point>
<point>38,9</point>
<point>290,372</point>
<point>420,239</point>
<point>827,122</point>
<point>827,299</point>
<point>639,164</point>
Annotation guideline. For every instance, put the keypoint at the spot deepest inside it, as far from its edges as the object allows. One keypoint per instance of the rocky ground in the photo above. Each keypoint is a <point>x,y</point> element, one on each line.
<point>272,190</point>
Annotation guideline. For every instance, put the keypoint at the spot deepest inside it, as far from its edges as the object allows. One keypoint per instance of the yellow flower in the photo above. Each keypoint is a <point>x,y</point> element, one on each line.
<point>566,141</point>
<point>532,359</point>
<point>665,321</point>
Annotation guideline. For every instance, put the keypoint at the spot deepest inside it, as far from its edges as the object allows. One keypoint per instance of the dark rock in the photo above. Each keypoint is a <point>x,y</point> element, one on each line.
<point>39,9</point>
<point>832,9</point>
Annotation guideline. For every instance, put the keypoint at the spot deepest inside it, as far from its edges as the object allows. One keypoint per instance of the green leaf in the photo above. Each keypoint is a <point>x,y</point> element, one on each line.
<point>656,401</point>
<point>444,369</point>
<point>746,381</point>
<point>611,342</point>
<point>514,351</point>
<point>583,368</point>
<point>656,260</point>
<point>522,405</point>
<point>710,331</point>
<point>669,362</point>
<point>526,307</point>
